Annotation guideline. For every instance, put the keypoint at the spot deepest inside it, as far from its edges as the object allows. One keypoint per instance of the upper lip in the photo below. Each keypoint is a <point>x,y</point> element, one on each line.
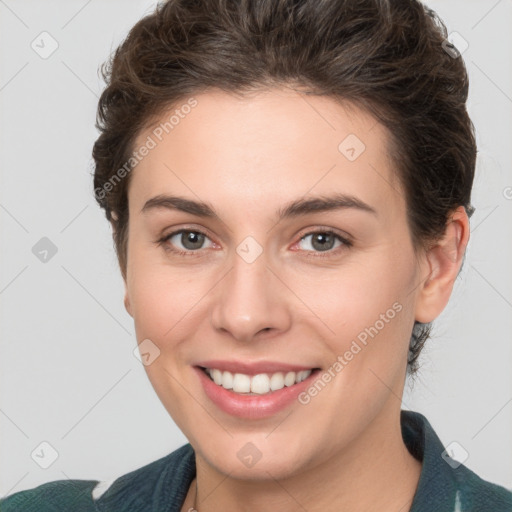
<point>254,368</point>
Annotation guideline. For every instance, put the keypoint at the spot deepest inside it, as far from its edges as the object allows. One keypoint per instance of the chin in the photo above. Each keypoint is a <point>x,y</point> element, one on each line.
<point>254,456</point>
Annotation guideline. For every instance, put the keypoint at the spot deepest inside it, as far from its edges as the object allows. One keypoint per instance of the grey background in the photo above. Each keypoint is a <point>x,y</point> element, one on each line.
<point>67,369</point>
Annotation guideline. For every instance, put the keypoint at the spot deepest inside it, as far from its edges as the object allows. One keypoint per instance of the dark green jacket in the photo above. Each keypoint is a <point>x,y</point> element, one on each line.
<point>444,486</point>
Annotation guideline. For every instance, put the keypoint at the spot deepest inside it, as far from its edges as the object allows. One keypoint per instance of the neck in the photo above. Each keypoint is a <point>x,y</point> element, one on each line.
<point>376,473</point>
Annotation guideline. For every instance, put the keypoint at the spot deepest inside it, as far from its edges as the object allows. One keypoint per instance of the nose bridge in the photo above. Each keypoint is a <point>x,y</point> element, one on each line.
<point>249,300</point>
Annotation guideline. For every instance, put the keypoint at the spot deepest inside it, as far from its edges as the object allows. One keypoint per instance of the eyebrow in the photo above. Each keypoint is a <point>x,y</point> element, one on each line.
<point>296,208</point>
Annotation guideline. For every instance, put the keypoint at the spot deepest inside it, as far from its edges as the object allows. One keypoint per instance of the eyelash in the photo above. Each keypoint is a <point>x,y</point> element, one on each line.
<point>316,254</point>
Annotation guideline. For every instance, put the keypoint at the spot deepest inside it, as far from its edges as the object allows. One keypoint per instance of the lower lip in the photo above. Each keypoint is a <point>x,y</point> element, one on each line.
<point>252,406</point>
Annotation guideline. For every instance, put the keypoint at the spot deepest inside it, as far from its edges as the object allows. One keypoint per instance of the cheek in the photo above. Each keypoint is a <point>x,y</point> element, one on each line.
<point>164,300</point>
<point>366,306</point>
<point>355,294</point>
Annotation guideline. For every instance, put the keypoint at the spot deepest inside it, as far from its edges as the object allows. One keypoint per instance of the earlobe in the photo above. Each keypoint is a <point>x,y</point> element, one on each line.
<point>442,264</point>
<point>126,301</point>
<point>127,304</point>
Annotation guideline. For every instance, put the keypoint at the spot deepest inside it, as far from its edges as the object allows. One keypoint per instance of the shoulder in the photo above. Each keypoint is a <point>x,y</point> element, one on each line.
<point>446,483</point>
<point>152,487</point>
<point>165,480</point>
<point>475,493</point>
<point>52,496</point>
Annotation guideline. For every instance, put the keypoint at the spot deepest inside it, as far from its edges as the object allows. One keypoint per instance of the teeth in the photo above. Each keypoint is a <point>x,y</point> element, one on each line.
<point>277,381</point>
<point>260,384</point>
<point>257,384</point>
<point>217,376</point>
<point>226,380</point>
<point>289,379</point>
<point>241,383</point>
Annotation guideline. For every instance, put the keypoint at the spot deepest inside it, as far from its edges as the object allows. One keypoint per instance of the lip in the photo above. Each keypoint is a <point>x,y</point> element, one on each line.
<point>253,406</point>
<point>253,368</point>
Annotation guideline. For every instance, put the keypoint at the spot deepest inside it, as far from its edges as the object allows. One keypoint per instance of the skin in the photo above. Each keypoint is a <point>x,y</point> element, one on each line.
<point>247,157</point>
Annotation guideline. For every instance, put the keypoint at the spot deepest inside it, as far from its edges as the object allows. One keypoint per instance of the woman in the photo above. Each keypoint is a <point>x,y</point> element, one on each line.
<point>289,187</point>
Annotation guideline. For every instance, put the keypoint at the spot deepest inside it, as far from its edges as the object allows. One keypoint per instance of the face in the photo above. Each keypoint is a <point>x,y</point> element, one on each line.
<point>318,300</point>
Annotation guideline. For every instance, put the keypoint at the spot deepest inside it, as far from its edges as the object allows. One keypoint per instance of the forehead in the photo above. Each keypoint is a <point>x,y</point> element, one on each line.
<point>265,147</point>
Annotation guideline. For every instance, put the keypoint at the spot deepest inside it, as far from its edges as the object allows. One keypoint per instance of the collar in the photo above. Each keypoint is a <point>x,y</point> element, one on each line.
<point>437,486</point>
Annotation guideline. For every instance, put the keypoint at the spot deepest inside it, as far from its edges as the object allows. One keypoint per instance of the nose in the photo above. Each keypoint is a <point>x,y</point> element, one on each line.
<point>251,301</point>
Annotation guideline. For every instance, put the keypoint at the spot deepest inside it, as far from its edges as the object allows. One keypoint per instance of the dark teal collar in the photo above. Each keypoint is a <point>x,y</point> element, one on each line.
<point>437,489</point>
<point>445,484</point>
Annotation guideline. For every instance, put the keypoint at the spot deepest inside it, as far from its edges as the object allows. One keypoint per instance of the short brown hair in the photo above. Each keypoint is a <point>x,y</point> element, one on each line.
<point>389,57</point>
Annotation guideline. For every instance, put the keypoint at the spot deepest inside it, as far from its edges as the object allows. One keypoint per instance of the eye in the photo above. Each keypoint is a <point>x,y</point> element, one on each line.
<point>323,241</point>
<point>190,240</point>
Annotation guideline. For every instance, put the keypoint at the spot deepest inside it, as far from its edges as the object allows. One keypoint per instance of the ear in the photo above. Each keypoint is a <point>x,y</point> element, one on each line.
<point>126,300</point>
<point>127,304</point>
<point>442,264</point>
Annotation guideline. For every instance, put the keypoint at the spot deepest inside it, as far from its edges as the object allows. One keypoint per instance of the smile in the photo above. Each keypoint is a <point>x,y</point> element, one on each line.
<point>260,384</point>
<point>253,390</point>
